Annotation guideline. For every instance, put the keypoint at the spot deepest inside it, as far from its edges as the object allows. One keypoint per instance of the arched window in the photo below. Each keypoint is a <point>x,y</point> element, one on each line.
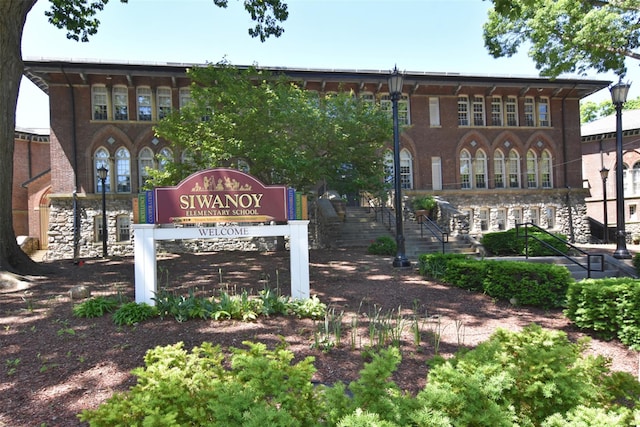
<point>406,169</point>
<point>546,169</point>
<point>123,171</point>
<point>635,179</point>
<point>465,169</point>
<point>626,179</point>
<point>101,159</point>
<point>532,169</point>
<point>165,156</point>
<point>388,167</point>
<point>513,169</point>
<point>498,169</point>
<point>480,169</point>
<point>145,162</point>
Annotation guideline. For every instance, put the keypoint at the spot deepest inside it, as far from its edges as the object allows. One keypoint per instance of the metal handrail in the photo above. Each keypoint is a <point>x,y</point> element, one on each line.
<point>527,236</point>
<point>433,228</point>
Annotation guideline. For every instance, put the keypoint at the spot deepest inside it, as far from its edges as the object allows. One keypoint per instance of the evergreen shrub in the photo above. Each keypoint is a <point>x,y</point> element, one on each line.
<point>512,242</point>
<point>383,245</point>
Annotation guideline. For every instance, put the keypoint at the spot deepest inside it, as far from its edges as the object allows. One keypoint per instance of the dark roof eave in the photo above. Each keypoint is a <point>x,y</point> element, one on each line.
<point>36,71</point>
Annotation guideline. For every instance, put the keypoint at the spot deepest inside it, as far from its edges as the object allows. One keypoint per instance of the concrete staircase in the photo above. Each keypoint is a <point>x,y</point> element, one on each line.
<point>360,229</point>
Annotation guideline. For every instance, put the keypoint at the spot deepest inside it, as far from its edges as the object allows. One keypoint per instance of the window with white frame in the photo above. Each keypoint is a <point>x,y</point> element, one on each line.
<point>480,170</point>
<point>534,215</point>
<point>465,169</point>
<point>546,169</point>
<point>463,110</point>
<point>633,212</point>
<point>468,212</point>
<point>165,156</point>
<point>532,169</point>
<point>544,117</point>
<point>406,169</point>
<point>403,107</point>
<point>367,98</point>
<point>501,218</point>
<point>627,177</point>
<point>145,163</point>
<point>635,179</point>
<point>143,96</point>
<point>120,103</point>
<point>99,99</point>
<point>496,111</point>
<point>478,110</point>
<point>516,215</point>
<point>123,228</point>
<point>513,168</point>
<point>434,111</point>
<point>511,109</point>
<point>97,229</point>
<point>483,218</point>
<point>184,96</point>
<point>123,170</point>
<point>163,101</point>
<point>550,216</point>
<point>529,111</point>
<point>498,169</point>
<point>388,167</point>
<point>100,160</point>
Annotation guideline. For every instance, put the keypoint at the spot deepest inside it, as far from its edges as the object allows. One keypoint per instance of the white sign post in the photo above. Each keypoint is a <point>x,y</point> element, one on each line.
<point>146,235</point>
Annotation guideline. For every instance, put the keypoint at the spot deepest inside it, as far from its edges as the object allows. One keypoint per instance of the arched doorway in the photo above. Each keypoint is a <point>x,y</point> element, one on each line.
<point>44,208</point>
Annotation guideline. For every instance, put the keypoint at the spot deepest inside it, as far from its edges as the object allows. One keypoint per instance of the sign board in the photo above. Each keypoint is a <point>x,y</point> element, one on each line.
<point>220,195</point>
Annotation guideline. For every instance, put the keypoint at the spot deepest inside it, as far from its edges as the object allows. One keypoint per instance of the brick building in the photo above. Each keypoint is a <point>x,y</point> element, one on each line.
<point>31,175</point>
<point>501,150</point>
<point>598,153</point>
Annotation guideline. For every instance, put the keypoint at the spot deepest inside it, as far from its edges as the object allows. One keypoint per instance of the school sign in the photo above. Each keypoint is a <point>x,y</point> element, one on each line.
<point>223,203</point>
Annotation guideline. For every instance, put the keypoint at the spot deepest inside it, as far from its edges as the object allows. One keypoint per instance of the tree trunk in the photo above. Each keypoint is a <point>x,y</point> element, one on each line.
<point>13,14</point>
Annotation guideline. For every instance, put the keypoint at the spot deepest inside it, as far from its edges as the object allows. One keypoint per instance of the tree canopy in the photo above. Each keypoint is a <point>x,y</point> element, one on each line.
<point>79,18</point>
<point>590,111</point>
<point>282,133</point>
<point>566,36</point>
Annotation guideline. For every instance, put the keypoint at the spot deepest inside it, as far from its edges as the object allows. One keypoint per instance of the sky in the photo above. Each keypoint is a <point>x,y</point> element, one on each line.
<point>416,35</point>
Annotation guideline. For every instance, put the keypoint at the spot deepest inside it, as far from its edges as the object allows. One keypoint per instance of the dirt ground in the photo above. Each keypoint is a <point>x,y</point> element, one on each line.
<point>54,365</point>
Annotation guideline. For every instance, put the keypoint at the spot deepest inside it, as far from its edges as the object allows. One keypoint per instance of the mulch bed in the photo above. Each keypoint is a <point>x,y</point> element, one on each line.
<point>54,365</point>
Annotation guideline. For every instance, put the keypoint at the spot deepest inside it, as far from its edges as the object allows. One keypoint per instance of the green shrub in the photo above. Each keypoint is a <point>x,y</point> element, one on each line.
<point>132,313</point>
<point>524,378</point>
<point>609,307</point>
<point>95,307</point>
<point>435,265</point>
<point>540,285</point>
<point>527,378</point>
<point>512,242</point>
<point>467,273</point>
<point>636,262</point>
<point>383,245</point>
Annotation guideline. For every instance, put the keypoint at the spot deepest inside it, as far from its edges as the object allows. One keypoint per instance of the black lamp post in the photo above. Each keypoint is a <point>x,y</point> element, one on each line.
<point>619,97</point>
<point>395,91</point>
<point>604,174</point>
<point>102,174</point>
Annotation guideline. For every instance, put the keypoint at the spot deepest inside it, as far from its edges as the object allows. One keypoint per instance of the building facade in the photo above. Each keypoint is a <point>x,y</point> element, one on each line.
<point>31,183</point>
<point>599,170</point>
<point>500,150</point>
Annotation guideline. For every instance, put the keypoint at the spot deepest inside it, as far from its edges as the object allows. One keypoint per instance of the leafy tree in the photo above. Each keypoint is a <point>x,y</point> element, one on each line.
<point>78,17</point>
<point>590,111</point>
<point>566,36</point>
<point>282,132</point>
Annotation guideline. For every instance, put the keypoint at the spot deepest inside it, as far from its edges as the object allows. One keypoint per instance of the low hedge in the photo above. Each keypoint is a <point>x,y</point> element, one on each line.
<point>541,285</point>
<point>512,242</point>
<point>609,307</point>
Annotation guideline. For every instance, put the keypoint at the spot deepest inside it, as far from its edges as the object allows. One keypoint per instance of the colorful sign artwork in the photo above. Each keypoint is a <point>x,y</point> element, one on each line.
<point>219,195</point>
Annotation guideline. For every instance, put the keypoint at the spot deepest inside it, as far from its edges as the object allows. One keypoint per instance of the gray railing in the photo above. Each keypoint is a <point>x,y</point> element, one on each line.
<point>526,235</point>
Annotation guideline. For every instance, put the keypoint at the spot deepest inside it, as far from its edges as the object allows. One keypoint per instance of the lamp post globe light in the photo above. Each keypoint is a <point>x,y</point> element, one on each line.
<point>619,93</point>
<point>396,80</point>
<point>102,175</point>
<point>604,174</point>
